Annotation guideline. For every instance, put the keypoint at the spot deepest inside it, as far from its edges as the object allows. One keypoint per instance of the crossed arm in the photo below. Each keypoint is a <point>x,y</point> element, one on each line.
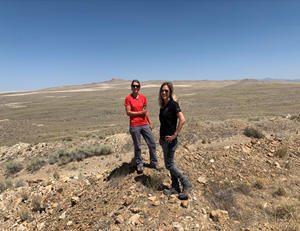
<point>136,113</point>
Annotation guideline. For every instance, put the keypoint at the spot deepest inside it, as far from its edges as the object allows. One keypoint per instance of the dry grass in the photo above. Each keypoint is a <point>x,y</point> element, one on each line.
<point>156,181</point>
<point>56,174</point>
<point>259,183</point>
<point>24,214</point>
<point>281,152</point>
<point>24,195</point>
<point>36,203</point>
<point>252,132</point>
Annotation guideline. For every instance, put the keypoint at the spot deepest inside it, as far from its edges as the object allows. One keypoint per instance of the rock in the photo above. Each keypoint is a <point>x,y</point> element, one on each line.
<point>152,198</point>
<point>184,204</point>
<point>156,203</point>
<point>120,219</point>
<point>202,180</point>
<point>177,227</point>
<point>128,201</point>
<point>246,150</point>
<point>132,220</point>
<point>135,210</point>
<point>74,200</point>
<point>219,215</point>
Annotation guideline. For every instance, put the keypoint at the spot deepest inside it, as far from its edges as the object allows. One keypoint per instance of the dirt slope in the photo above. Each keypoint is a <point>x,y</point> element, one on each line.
<point>241,183</point>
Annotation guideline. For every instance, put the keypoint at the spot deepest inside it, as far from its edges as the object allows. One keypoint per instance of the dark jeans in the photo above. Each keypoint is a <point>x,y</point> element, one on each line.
<point>145,131</point>
<point>169,152</point>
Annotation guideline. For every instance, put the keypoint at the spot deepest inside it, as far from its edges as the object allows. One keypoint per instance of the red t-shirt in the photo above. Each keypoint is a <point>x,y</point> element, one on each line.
<point>136,105</point>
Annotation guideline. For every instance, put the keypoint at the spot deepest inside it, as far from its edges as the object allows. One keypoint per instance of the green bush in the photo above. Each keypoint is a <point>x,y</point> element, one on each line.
<point>63,156</point>
<point>35,164</point>
<point>53,158</point>
<point>252,132</point>
<point>63,160</point>
<point>3,186</point>
<point>67,139</point>
<point>13,167</point>
<point>105,149</point>
<point>102,136</point>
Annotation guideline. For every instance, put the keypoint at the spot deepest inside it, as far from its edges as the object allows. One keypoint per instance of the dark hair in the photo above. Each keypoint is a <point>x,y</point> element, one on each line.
<point>135,81</point>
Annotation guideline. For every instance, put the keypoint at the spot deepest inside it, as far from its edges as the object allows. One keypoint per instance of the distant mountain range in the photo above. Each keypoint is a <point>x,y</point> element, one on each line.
<point>288,80</point>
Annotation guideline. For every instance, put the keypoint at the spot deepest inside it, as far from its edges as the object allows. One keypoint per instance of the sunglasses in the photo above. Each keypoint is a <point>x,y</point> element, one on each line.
<point>164,90</point>
<point>135,86</point>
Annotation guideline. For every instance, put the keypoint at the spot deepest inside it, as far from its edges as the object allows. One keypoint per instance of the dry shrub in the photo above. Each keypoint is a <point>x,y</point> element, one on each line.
<point>252,132</point>
<point>259,183</point>
<point>289,225</point>
<point>281,191</point>
<point>35,164</point>
<point>24,195</point>
<point>282,152</point>
<point>156,181</point>
<point>223,198</point>
<point>36,203</point>
<point>20,183</point>
<point>243,188</point>
<point>3,186</point>
<point>24,214</point>
<point>56,174</point>
<point>285,210</point>
<point>13,167</point>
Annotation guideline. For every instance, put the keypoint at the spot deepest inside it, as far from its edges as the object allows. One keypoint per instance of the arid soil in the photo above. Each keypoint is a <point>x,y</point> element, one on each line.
<point>241,183</point>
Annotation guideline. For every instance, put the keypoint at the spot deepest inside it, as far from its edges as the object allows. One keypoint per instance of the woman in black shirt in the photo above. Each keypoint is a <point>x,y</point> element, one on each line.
<point>170,112</point>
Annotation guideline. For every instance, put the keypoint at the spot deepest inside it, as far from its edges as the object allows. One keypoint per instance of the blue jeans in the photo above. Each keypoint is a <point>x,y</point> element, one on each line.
<point>148,136</point>
<point>169,151</point>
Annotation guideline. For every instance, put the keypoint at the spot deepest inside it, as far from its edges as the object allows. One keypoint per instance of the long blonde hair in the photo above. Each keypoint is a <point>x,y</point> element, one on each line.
<point>161,102</point>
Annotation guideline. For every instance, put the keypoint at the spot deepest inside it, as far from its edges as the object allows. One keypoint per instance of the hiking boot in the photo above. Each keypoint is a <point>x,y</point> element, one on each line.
<point>187,187</point>
<point>156,167</point>
<point>171,191</point>
<point>140,169</point>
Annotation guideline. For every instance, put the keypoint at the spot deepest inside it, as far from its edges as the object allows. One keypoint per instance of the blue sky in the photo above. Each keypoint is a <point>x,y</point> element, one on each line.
<point>57,43</point>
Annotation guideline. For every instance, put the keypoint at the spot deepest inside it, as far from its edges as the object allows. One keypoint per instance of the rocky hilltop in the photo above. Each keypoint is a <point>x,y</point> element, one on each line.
<point>241,183</point>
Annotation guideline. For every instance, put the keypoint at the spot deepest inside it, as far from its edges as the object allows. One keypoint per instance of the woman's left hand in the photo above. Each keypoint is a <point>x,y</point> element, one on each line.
<point>169,139</point>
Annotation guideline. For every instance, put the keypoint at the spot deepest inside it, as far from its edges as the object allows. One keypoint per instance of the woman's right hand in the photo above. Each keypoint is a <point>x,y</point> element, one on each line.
<point>144,111</point>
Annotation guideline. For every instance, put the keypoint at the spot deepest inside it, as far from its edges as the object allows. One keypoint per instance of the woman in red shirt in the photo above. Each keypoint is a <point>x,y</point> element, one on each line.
<point>140,124</point>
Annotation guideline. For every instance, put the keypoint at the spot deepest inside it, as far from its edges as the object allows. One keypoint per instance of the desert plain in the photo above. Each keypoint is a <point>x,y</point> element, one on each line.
<point>241,182</point>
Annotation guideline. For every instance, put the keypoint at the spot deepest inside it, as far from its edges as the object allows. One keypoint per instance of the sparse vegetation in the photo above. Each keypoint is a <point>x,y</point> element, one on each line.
<point>252,132</point>
<point>156,181</point>
<point>264,202</point>
<point>13,167</point>
<point>36,203</point>
<point>281,191</point>
<point>24,195</point>
<point>56,174</point>
<point>259,183</point>
<point>69,139</point>
<point>9,183</point>
<point>24,214</point>
<point>3,186</point>
<point>281,152</point>
<point>63,156</point>
<point>20,183</point>
<point>35,164</point>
